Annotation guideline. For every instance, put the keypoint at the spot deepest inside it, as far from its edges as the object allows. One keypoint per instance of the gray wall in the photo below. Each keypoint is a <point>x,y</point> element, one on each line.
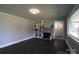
<point>14,28</point>
<point>72,43</point>
<point>48,22</point>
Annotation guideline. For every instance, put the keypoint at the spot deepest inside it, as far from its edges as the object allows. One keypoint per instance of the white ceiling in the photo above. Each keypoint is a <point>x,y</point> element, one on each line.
<point>47,11</point>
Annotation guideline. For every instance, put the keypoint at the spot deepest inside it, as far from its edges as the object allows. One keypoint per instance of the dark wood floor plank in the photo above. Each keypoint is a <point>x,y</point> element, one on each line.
<point>37,46</point>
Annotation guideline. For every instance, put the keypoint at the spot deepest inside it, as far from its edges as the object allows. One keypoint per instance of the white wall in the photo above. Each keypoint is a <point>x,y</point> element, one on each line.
<point>13,28</point>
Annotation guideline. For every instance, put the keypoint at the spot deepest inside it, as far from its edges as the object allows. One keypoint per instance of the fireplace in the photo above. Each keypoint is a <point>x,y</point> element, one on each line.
<point>46,35</point>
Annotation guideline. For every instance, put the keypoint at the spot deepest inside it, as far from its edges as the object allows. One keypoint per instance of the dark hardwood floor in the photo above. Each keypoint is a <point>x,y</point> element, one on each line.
<point>37,46</point>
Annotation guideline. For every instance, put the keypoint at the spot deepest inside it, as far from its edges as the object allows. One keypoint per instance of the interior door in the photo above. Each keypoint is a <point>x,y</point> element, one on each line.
<point>59,29</point>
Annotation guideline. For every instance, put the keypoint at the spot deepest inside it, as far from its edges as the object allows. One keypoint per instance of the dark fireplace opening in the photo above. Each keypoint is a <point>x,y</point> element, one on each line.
<point>46,35</point>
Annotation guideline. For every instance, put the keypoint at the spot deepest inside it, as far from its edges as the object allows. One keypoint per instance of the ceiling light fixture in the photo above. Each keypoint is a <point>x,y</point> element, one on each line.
<point>34,11</point>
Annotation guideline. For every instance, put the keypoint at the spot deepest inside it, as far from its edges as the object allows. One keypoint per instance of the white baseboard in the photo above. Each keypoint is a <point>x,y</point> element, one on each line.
<point>11,43</point>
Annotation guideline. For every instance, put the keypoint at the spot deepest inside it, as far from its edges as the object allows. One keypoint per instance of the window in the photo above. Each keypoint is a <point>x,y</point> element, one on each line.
<point>73,25</point>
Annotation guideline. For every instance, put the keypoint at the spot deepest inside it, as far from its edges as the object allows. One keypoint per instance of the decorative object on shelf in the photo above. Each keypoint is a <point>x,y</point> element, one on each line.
<point>38,28</point>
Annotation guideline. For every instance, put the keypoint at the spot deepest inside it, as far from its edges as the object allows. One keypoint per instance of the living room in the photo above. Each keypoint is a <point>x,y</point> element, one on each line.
<point>38,28</point>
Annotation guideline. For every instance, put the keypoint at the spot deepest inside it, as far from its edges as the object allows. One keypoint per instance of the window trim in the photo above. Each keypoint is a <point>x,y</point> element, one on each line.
<point>73,37</point>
